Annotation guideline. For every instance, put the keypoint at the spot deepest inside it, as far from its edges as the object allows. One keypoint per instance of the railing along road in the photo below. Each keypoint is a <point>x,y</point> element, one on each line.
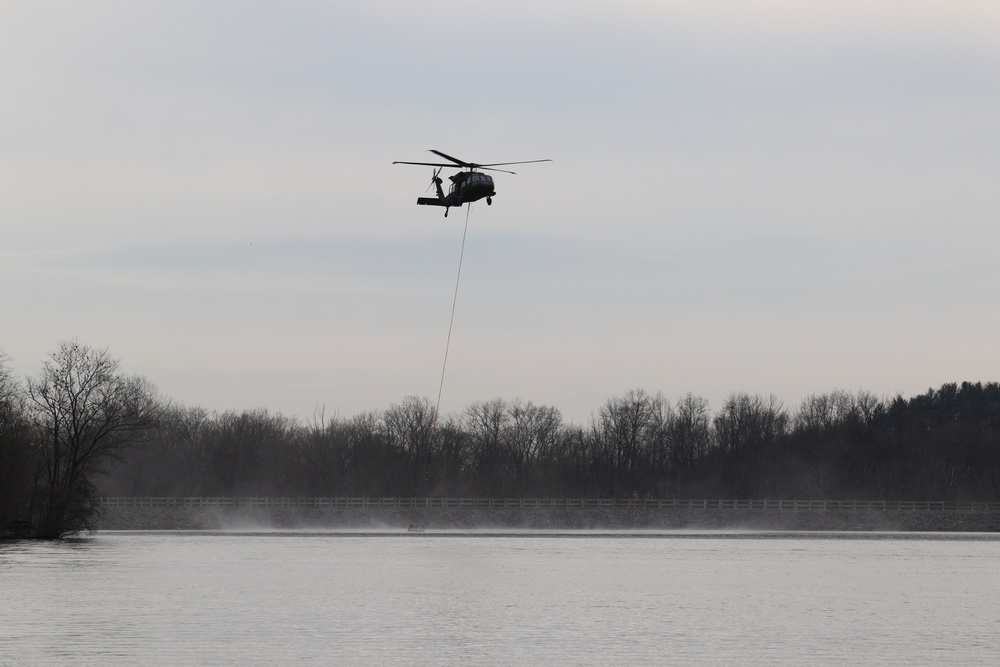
<point>553,503</point>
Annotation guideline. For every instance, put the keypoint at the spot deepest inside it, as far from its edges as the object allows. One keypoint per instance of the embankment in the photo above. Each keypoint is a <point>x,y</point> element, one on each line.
<point>616,518</point>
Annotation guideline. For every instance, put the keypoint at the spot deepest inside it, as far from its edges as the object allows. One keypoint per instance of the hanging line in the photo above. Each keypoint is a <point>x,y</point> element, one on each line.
<point>451,322</point>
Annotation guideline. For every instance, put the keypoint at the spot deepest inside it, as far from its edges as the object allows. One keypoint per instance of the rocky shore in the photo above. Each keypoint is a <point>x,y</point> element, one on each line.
<point>258,518</point>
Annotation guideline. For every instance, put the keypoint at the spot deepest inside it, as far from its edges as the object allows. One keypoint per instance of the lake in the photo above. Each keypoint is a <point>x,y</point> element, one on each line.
<point>501,598</point>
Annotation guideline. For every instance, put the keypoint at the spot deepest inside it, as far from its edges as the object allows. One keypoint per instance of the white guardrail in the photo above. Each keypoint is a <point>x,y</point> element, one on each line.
<point>553,503</point>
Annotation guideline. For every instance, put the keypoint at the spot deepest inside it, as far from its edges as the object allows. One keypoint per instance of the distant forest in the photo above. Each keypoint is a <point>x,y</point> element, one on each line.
<point>941,445</point>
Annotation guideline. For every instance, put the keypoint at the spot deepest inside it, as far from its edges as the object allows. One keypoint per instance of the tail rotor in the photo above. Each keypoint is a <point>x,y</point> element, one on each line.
<point>435,180</point>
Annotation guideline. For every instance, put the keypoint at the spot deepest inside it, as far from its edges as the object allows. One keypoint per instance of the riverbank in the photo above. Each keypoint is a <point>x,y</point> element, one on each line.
<point>639,518</point>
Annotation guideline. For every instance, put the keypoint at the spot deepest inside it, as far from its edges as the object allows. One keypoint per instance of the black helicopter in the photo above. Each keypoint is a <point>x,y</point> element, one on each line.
<point>466,186</point>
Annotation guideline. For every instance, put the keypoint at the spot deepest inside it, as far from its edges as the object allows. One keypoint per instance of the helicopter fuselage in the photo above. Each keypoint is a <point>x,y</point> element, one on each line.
<point>466,187</point>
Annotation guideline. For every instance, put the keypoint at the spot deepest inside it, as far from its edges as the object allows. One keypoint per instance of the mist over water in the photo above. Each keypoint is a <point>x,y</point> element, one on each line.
<point>377,597</point>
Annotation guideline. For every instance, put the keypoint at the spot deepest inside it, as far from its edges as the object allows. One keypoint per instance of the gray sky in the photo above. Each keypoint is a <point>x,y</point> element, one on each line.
<point>771,197</point>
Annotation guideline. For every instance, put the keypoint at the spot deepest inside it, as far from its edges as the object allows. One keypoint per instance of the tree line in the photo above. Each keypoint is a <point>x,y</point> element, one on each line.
<point>81,429</point>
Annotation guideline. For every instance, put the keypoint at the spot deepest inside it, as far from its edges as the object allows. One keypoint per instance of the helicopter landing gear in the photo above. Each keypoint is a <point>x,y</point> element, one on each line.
<point>489,201</point>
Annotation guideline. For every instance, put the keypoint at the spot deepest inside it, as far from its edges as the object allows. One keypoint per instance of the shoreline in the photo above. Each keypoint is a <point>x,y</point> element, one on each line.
<point>399,518</point>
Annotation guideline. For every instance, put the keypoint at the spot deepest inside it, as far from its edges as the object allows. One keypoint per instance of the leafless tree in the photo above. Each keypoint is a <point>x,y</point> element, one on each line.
<point>487,422</point>
<point>18,459</point>
<point>624,433</point>
<point>690,437</point>
<point>86,412</point>
<point>452,458</point>
<point>251,451</point>
<point>176,457</point>
<point>409,427</point>
<point>368,462</point>
<point>320,453</point>
<point>530,434</point>
<point>747,429</point>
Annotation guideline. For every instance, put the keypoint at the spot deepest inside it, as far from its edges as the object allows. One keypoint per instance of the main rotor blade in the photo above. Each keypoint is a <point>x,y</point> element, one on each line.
<point>429,164</point>
<point>492,169</point>
<point>470,165</point>
<point>500,164</point>
<point>453,159</point>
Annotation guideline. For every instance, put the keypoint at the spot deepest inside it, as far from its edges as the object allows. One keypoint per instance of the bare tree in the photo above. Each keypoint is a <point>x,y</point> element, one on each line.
<point>409,427</point>
<point>486,423</point>
<point>452,457</point>
<point>624,432</point>
<point>18,459</point>
<point>532,434</point>
<point>369,462</point>
<point>250,451</point>
<point>747,428</point>
<point>86,412</point>
<point>320,453</point>
<point>690,437</point>
<point>175,459</point>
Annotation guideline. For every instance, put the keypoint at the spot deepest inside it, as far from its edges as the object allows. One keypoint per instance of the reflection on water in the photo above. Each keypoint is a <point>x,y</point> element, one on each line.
<point>488,598</point>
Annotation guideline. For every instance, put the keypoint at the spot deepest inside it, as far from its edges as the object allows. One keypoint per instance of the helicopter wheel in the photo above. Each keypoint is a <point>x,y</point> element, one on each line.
<point>489,201</point>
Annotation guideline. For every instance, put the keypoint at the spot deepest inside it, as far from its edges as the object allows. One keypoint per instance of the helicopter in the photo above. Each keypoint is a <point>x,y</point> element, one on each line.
<point>466,186</point>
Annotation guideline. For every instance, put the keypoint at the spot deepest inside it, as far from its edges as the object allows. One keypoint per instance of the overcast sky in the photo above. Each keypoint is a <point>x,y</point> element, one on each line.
<point>770,197</point>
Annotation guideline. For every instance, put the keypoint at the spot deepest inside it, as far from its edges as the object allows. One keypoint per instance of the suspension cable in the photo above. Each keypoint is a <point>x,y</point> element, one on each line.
<point>451,322</point>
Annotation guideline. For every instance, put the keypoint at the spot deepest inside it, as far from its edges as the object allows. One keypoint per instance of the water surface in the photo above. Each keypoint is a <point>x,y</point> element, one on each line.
<point>501,598</point>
